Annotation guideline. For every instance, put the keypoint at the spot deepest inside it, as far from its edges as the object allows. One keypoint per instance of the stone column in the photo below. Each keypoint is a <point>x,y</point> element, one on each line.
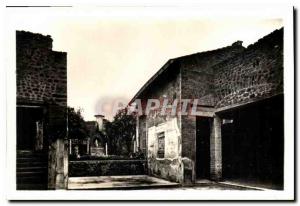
<point>70,146</point>
<point>216,149</point>
<point>58,165</point>
<point>188,144</point>
<point>66,164</point>
<point>39,141</point>
<point>106,149</point>
<point>137,132</point>
<point>88,146</point>
<point>58,149</point>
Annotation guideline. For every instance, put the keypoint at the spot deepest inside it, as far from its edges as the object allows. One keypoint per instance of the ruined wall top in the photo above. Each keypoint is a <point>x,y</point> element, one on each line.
<point>254,74</point>
<point>41,72</point>
<point>33,40</point>
<point>226,76</point>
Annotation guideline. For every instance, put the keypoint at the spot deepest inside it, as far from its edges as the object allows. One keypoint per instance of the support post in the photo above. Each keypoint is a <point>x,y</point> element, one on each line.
<point>137,133</point>
<point>70,146</point>
<point>88,146</point>
<point>58,150</point>
<point>58,165</point>
<point>106,151</point>
<point>216,149</point>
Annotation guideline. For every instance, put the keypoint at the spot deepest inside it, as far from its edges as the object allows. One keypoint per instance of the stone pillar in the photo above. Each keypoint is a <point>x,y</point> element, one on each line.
<point>39,137</point>
<point>216,149</point>
<point>188,132</point>
<point>70,146</point>
<point>106,149</point>
<point>58,149</point>
<point>88,146</point>
<point>137,132</point>
<point>66,164</point>
<point>58,165</point>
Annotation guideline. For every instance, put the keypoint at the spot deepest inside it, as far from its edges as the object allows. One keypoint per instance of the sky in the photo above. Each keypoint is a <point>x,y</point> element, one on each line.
<point>112,58</point>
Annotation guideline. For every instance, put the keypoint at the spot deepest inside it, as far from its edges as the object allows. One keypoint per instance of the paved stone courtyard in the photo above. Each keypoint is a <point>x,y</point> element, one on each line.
<point>143,182</point>
<point>118,182</point>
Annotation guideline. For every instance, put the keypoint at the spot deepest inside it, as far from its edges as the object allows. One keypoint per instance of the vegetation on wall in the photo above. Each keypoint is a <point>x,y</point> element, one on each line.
<point>76,125</point>
<point>120,133</point>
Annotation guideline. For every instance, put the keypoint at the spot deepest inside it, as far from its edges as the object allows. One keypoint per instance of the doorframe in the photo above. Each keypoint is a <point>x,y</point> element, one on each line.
<point>42,108</point>
<point>215,141</point>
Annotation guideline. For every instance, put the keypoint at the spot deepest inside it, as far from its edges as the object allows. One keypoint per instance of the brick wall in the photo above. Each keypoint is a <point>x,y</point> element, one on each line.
<point>188,130</point>
<point>198,83</point>
<point>166,86</point>
<point>255,74</point>
<point>198,76</point>
<point>41,72</point>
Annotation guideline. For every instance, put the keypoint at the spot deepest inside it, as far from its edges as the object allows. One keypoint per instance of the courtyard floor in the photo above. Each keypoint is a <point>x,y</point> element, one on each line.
<point>118,182</point>
<point>144,182</point>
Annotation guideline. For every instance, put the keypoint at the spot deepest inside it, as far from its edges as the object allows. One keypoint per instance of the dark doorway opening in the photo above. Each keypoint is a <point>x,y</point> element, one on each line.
<point>32,158</point>
<point>253,142</point>
<point>203,125</point>
<point>29,123</point>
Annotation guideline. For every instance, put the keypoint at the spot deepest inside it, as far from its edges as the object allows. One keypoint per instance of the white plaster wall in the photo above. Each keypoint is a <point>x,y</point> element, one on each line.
<point>172,137</point>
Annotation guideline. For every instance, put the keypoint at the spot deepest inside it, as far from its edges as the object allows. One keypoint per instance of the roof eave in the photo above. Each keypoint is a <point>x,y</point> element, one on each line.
<point>149,82</point>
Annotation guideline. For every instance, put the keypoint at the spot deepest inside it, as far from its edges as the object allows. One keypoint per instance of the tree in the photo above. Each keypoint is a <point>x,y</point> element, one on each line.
<point>120,133</point>
<point>76,125</point>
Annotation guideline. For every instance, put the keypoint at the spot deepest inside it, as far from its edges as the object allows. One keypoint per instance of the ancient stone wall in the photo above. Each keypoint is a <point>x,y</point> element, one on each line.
<point>188,133</point>
<point>85,168</point>
<point>169,166</point>
<point>142,127</point>
<point>41,72</point>
<point>256,73</point>
<point>42,80</point>
<point>197,73</point>
<point>198,83</point>
<point>225,77</point>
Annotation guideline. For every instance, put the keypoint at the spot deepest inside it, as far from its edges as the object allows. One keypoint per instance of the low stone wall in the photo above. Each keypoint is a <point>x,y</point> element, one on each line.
<point>106,167</point>
<point>169,169</point>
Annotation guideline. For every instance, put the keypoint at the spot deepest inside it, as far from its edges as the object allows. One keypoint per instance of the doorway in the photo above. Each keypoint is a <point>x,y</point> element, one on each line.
<point>32,158</point>
<point>30,128</point>
<point>203,128</point>
<point>252,144</point>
